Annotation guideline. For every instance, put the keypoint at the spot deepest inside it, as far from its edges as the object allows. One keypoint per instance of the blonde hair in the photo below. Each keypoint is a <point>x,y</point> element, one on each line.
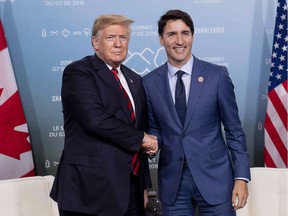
<point>104,21</point>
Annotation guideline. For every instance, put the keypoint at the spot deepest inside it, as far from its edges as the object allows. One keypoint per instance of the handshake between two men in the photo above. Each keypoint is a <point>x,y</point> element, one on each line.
<point>149,144</point>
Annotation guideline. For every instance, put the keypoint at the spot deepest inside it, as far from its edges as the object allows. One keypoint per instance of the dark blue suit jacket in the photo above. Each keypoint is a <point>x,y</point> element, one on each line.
<point>211,103</point>
<point>94,172</point>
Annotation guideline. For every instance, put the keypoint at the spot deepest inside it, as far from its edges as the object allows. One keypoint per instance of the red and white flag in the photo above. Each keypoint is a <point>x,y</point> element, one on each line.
<point>276,128</point>
<point>15,149</point>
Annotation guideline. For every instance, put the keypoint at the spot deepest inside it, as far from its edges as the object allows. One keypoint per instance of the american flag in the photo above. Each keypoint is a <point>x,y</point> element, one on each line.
<point>276,132</point>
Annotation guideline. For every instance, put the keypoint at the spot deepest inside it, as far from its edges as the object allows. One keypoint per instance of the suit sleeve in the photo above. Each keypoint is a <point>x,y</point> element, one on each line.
<point>153,125</point>
<point>82,97</point>
<point>234,133</point>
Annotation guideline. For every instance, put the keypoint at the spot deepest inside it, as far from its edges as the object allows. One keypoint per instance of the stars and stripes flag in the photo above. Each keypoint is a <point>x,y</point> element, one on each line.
<point>15,148</point>
<point>276,132</point>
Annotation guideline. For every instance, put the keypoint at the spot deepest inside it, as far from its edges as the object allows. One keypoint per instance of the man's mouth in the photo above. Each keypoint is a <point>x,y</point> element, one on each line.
<point>179,49</point>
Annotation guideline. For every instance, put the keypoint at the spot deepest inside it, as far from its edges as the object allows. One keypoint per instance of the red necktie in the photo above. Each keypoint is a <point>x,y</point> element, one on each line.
<point>135,159</point>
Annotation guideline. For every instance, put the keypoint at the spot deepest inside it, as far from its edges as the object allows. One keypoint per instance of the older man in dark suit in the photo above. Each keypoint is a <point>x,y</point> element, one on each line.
<point>104,169</point>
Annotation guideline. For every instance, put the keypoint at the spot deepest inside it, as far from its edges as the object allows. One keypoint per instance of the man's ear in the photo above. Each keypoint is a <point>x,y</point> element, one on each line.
<point>94,42</point>
<point>161,40</point>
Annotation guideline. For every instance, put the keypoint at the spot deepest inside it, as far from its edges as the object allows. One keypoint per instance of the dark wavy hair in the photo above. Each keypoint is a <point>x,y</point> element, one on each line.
<point>175,15</point>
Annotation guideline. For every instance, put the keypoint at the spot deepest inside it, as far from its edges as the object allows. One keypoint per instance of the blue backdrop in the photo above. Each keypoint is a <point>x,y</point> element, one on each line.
<point>44,36</point>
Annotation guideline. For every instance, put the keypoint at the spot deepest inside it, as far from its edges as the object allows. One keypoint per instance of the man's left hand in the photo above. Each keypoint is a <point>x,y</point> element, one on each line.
<point>239,194</point>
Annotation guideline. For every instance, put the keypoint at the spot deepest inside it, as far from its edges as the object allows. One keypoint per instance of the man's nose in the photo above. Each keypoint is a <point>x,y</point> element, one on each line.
<point>179,39</point>
<point>117,41</point>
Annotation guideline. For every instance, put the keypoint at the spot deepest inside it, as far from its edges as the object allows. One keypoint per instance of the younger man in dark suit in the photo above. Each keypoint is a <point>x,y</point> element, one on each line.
<point>188,101</point>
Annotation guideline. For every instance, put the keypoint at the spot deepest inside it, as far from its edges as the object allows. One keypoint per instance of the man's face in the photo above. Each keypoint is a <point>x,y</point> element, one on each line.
<point>177,39</point>
<point>111,44</point>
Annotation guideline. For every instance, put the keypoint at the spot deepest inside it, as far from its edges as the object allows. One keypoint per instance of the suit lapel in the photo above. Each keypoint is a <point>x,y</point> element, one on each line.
<point>103,72</point>
<point>162,83</point>
<point>196,87</point>
<point>106,75</point>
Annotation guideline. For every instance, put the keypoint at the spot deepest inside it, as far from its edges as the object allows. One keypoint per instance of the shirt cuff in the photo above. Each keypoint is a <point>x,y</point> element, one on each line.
<point>241,178</point>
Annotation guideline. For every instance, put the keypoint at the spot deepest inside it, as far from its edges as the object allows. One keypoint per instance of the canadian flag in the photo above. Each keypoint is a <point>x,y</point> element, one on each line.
<point>15,149</point>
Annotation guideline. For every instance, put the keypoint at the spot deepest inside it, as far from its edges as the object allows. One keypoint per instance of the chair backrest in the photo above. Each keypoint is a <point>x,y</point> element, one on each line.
<point>27,197</point>
<point>267,193</point>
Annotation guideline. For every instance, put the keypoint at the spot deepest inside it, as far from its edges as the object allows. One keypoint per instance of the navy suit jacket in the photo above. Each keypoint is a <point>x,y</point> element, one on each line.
<point>94,171</point>
<point>211,104</point>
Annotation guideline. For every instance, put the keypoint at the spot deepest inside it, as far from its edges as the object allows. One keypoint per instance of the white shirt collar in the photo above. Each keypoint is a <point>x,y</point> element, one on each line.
<point>187,68</point>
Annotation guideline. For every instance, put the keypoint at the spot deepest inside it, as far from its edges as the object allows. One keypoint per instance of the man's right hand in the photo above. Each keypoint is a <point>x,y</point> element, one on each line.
<point>149,144</point>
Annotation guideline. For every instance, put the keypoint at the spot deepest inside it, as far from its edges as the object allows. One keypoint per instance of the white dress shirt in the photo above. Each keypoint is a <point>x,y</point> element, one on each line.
<point>172,77</point>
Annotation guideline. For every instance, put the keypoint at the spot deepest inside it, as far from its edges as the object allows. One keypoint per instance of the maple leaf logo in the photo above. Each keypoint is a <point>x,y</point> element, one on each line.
<point>12,143</point>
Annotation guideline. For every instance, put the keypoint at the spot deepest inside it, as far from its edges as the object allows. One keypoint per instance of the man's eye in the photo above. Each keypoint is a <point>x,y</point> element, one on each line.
<point>110,38</point>
<point>123,38</point>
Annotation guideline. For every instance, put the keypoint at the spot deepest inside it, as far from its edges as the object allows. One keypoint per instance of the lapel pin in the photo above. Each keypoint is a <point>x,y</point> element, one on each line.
<point>200,79</point>
<point>131,80</point>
